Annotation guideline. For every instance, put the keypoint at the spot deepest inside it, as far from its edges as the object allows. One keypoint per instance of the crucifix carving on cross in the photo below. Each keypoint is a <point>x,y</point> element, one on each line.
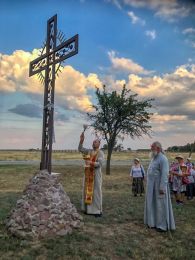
<point>52,55</point>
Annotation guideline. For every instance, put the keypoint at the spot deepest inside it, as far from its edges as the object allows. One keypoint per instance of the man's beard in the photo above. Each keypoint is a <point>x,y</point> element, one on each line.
<point>153,154</point>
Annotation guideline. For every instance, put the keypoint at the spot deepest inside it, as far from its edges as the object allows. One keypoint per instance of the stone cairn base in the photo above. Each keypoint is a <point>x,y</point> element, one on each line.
<point>44,210</point>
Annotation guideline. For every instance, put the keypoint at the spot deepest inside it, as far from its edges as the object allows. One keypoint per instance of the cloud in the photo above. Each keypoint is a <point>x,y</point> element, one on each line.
<point>172,11</point>
<point>174,93</point>
<point>180,81</point>
<point>126,65</point>
<point>189,31</point>
<point>71,88</point>
<point>61,117</point>
<point>36,111</point>
<point>190,42</point>
<point>115,2</point>
<point>174,103</point>
<point>169,126</point>
<point>29,110</point>
<point>161,119</point>
<point>134,3</point>
<point>151,34</point>
<point>135,19</point>
<point>112,83</point>
<point>169,10</point>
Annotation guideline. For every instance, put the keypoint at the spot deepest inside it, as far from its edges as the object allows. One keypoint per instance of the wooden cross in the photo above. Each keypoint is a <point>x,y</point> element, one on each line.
<point>53,55</point>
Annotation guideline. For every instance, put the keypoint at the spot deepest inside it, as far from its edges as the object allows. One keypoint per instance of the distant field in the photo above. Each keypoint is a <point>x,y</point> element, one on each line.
<point>35,155</point>
<point>119,234</point>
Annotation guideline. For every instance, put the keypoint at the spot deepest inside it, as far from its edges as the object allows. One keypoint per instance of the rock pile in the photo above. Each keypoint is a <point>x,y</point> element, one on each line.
<point>44,210</point>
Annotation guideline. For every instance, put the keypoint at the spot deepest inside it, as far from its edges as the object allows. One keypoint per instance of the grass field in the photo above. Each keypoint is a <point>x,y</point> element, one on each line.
<point>119,234</point>
<point>35,155</point>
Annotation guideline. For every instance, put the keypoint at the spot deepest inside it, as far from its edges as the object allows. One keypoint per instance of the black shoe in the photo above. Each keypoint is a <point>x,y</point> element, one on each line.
<point>98,215</point>
<point>160,230</point>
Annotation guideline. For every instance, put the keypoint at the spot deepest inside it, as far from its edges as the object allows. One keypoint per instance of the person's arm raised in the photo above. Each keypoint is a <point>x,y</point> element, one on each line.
<point>81,148</point>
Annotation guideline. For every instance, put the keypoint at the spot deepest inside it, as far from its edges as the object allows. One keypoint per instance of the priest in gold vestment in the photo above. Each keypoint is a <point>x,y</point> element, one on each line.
<point>92,181</point>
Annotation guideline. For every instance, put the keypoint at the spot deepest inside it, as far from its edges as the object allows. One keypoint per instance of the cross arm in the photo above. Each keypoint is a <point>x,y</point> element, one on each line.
<point>63,51</point>
<point>38,65</point>
<point>67,49</point>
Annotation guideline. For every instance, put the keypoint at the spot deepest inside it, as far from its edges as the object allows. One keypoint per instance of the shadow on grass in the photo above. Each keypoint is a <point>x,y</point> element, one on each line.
<point>119,234</point>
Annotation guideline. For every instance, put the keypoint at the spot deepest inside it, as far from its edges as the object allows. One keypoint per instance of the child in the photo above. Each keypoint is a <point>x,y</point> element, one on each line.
<point>190,185</point>
<point>179,172</point>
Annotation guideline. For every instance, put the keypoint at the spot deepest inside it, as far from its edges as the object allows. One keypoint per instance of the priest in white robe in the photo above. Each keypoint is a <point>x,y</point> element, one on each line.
<point>95,161</point>
<point>158,211</point>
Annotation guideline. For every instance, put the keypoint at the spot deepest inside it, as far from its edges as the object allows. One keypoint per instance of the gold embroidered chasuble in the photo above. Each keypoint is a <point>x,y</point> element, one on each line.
<point>89,177</point>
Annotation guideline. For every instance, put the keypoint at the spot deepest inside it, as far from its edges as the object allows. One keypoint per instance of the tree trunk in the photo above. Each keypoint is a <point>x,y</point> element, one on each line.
<point>190,153</point>
<point>108,160</point>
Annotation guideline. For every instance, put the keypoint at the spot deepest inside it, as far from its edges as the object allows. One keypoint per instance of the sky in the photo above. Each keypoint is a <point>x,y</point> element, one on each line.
<point>149,45</point>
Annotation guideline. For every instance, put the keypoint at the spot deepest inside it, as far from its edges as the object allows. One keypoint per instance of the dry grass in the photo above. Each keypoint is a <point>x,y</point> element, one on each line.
<point>119,234</point>
<point>36,155</point>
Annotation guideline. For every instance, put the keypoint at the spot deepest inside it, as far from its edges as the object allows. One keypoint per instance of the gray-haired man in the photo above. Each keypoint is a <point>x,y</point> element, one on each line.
<point>158,211</point>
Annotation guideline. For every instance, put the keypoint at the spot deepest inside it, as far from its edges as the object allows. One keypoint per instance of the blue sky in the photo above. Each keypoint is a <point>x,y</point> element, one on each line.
<point>149,45</point>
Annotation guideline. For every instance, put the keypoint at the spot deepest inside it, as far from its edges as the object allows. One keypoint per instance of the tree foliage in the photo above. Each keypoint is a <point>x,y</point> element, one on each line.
<point>120,114</point>
<point>189,147</point>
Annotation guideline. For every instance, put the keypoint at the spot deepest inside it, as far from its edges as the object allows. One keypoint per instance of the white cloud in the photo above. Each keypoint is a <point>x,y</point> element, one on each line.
<point>174,92</point>
<point>174,95</point>
<point>135,3</point>
<point>168,85</point>
<point>169,10</point>
<point>115,2</point>
<point>126,65</point>
<point>189,31</point>
<point>14,70</point>
<point>112,83</point>
<point>71,86</point>
<point>172,11</point>
<point>161,119</point>
<point>151,34</point>
<point>135,19</point>
<point>174,101</point>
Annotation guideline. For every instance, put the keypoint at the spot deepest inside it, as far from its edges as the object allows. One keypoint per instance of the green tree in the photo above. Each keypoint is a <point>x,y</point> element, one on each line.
<point>105,147</point>
<point>119,114</point>
<point>118,148</point>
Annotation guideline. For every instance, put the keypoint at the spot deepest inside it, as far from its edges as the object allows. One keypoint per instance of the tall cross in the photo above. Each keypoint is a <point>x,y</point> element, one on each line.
<point>50,61</point>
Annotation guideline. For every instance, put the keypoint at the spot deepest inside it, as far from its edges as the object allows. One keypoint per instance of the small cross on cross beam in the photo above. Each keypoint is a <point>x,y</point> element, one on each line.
<point>47,62</point>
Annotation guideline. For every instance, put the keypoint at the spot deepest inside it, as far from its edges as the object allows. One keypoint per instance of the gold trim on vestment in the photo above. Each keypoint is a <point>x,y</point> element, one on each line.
<point>89,177</point>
